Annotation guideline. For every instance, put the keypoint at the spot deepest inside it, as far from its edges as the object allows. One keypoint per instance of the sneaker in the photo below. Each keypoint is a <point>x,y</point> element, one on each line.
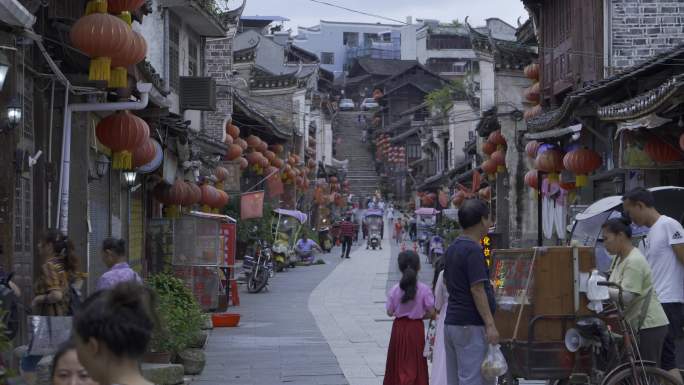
<point>347,257</point>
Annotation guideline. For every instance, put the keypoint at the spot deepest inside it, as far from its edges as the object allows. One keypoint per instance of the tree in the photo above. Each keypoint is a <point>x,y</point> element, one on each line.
<point>442,99</point>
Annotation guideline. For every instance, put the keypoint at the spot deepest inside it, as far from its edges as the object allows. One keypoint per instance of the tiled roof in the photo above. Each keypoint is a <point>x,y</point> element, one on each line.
<point>385,67</point>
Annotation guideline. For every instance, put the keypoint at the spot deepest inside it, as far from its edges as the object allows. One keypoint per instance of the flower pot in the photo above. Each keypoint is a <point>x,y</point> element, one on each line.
<point>225,319</point>
<point>157,357</point>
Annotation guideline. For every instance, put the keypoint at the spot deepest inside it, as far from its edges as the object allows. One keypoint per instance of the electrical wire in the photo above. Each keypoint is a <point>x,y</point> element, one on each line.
<point>359,12</point>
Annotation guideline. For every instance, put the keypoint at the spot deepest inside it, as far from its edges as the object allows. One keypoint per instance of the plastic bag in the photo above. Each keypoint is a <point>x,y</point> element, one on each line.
<point>430,341</point>
<point>494,364</point>
<point>596,294</point>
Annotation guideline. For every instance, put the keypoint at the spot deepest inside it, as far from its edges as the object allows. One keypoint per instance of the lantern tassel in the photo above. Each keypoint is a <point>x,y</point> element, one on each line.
<point>122,160</point>
<point>219,185</point>
<point>126,16</point>
<point>553,177</point>
<point>100,68</point>
<point>581,180</point>
<point>206,208</point>
<point>96,6</point>
<point>172,211</point>
<point>118,78</point>
<point>500,169</point>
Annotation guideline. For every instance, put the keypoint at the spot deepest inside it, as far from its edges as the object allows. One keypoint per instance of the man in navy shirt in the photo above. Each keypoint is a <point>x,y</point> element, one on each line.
<point>469,324</point>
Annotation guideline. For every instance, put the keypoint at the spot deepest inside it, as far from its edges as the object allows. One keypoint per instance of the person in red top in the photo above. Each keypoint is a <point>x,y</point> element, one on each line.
<point>347,233</point>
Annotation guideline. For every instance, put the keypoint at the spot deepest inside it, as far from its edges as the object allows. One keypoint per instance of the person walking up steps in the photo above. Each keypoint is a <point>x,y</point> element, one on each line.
<point>409,302</point>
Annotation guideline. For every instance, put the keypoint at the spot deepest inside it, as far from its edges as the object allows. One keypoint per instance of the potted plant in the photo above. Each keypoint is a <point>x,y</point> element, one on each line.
<point>180,318</point>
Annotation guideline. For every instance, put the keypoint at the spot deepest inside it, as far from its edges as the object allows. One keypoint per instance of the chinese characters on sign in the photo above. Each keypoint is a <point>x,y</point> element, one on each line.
<point>486,243</point>
<point>510,279</point>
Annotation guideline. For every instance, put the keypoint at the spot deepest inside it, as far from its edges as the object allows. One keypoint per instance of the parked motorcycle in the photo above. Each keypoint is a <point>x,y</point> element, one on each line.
<point>325,240</point>
<point>436,249</point>
<point>258,268</point>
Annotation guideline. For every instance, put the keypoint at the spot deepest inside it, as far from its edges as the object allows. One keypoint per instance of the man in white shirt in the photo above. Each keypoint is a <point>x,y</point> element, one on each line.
<point>665,255</point>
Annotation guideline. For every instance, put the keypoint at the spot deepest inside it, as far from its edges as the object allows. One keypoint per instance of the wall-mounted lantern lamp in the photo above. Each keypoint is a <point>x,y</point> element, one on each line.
<point>129,177</point>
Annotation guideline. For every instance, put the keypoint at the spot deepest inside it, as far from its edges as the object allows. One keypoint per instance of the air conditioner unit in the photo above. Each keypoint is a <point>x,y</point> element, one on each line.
<point>197,93</point>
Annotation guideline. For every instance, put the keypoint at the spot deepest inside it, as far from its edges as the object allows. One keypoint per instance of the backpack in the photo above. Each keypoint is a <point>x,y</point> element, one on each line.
<point>9,303</point>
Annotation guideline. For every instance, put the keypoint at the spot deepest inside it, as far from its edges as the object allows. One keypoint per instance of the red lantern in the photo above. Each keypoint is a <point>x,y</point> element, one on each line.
<point>581,162</point>
<point>497,139</point>
<point>195,194</point>
<point>253,158</point>
<point>488,148</point>
<point>277,162</point>
<point>123,133</point>
<point>144,154</point>
<point>427,201</point>
<point>499,158</point>
<point>532,148</point>
<point>532,71</point>
<point>660,151</point>
<point>222,199</point>
<point>531,178</point>
<point>229,140</point>
<point>100,36</point>
<point>489,167</point>
<point>532,112</point>
<point>443,199</point>
<point>243,163</point>
<point>210,197</point>
<point>277,148</point>
<point>178,192</point>
<point>253,141</point>
<point>262,147</point>
<point>263,162</point>
<point>133,54</point>
<point>550,162</point>
<point>270,155</point>
<point>242,143</point>
<point>532,93</point>
<point>221,173</point>
<point>234,152</point>
<point>458,198</point>
<point>232,130</point>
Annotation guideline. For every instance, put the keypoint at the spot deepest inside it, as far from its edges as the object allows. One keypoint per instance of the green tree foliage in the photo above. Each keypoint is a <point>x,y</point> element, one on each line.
<point>442,99</point>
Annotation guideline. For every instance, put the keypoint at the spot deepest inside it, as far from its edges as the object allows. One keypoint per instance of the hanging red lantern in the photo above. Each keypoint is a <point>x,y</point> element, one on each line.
<point>100,36</point>
<point>178,192</point>
<point>253,141</point>
<point>221,173</point>
<point>489,167</point>
<point>144,154</point>
<point>531,71</point>
<point>277,148</point>
<point>488,148</point>
<point>277,162</point>
<point>582,162</point>
<point>232,130</point>
<point>458,198</point>
<point>499,158</point>
<point>550,162</point>
<point>660,151</point>
<point>427,201</point>
<point>531,148</point>
<point>234,152</point>
<point>195,194</point>
<point>531,178</point>
<point>210,197</point>
<point>252,158</point>
<point>134,53</point>
<point>243,163</point>
<point>123,133</point>
<point>311,163</point>
<point>262,147</point>
<point>242,143</point>
<point>228,140</point>
<point>532,112</point>
<point>443,199</point>
<point>497,139</point>
<point>263,161</point>
<point>532,93</point>
<point>222,199</point>
<point>270,155</point>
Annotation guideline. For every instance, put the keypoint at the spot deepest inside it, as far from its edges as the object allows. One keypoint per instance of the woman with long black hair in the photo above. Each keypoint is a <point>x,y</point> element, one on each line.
<point>409,302</point>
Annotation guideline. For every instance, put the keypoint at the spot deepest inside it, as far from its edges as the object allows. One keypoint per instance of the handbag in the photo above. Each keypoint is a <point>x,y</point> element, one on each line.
<point>47,333</point>
<point>430,340</point>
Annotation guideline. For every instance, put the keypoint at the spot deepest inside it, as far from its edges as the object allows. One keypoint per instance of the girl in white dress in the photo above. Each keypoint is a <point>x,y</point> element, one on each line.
<point>439,369</point>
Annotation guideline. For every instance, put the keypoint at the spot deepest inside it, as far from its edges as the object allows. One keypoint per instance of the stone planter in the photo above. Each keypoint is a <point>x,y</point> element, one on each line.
<point>193,361</point>
<point>157,357</point>
<point>199,341</point>
<point>163,374</point>
<point>208,324</point>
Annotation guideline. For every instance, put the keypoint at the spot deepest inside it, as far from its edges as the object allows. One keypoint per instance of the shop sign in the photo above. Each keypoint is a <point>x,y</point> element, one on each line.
<point>486,243</point>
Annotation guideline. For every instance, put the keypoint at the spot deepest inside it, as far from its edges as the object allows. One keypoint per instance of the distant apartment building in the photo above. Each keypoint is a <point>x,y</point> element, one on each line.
<point>338,43</point>
<point>443,48</point>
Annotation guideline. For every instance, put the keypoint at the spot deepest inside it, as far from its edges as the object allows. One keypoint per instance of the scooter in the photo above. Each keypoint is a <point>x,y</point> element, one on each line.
<point>374,241</point>
<point>325,240</point>
<point>436,249</point>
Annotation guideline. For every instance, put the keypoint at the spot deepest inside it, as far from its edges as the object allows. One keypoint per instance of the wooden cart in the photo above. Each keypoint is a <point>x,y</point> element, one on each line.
<point>538,300</point>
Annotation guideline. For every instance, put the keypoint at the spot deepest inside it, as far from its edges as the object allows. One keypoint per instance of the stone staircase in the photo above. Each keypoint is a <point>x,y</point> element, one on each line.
<point>361,173</point>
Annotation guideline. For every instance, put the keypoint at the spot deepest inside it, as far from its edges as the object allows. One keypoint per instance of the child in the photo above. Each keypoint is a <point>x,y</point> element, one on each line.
<point>409,302</point>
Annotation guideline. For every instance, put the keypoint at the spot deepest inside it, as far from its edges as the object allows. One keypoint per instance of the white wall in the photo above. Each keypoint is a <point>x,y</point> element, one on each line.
<point>487,85</point>
<point>329,39</point>
<point>409,42</point>
<point>461,122</point>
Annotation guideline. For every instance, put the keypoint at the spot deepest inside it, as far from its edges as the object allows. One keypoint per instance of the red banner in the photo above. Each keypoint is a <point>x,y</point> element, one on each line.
<point>252,205</point>
<point>229,234</point>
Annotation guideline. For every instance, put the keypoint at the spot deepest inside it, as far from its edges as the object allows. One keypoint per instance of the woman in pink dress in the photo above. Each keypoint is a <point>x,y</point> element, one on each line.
<point>439,369</point>
<point>409,302</point>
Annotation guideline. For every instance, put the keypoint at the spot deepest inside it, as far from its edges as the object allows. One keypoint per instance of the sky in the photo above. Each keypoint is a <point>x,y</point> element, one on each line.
<point>307,13</point>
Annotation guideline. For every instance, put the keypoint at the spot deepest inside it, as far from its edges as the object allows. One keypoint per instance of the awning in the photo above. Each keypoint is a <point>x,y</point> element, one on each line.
<point>555,133</point>
<point>300,216</point>
<point>14,14</point>
<point>405,135</point>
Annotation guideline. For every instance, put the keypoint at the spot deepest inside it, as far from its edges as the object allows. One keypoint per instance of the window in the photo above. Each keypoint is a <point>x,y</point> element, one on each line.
<point>174,52</point>
<point>350,39</point>
<point>448,42</point>
<point>413,150</point>
<point>369,38</point>
<point>23,214</point>
<point>193,58</point>
<point>327,58</point>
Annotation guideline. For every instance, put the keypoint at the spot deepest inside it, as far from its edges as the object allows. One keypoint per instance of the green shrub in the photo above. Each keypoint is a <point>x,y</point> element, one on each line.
<point>180,316</point>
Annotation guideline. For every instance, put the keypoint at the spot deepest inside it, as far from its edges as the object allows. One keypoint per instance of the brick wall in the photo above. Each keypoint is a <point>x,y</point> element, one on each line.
<point>644,28</point>
<point>218,63</point>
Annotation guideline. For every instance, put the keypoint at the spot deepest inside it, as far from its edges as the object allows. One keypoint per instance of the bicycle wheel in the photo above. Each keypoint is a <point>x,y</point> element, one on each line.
<point>645,375</point>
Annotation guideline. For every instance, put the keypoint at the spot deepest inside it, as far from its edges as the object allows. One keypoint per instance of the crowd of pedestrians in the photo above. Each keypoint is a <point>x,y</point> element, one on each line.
<point>462,301</point>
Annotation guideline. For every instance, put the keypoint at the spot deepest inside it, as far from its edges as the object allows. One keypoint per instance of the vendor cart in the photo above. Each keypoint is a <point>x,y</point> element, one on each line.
<point>198,248</point>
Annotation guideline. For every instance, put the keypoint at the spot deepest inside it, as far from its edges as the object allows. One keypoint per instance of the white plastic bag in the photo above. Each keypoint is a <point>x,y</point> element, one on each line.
<point>494,364</point>
<point>596,294</point>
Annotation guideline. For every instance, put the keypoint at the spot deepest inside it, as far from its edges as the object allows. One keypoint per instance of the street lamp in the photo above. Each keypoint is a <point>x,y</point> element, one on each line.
<point>102,165</point>
<point>13,113</point>
<point>129,177</point>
